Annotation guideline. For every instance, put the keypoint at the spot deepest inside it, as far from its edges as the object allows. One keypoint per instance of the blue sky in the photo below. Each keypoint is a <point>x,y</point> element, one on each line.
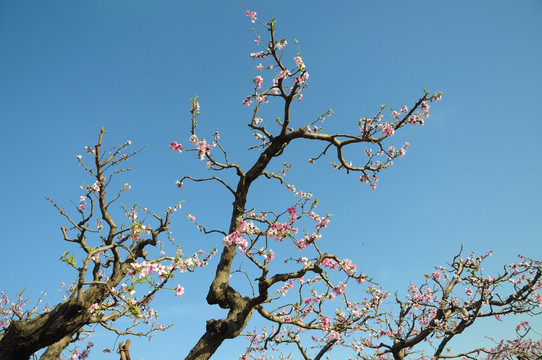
<point>471,176</point>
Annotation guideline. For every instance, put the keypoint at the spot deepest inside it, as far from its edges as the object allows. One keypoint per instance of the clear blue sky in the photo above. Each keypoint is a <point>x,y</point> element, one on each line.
<point>471,176</point>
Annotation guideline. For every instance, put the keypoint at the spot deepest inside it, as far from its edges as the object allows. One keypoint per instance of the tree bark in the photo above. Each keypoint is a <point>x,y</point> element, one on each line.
<point>124,350</point>
<point>24,337</point>
<point>220,292</point>
<point>219,330</point>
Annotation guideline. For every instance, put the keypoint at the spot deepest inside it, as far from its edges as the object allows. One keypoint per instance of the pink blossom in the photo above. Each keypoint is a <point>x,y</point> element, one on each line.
<point>299,62</point>
<point>279,231</point>
<point>179,291</point>
<point>330,263</point>
<point>387,129</point>
<point>281,44</point>
<point>252,15</point>
<point>270,255</point>
<point>284,74</point>
<point>74,355</point>
<point>339,289</point>
<point>247,101</point>
<point>235,238</point>
<point>82,202</point>
<point>179,184</point>
<point>261,98</point>
<point>348,266</point>
<point>364,178</point>
<point>292,211</point>
<point>204,149</point>
<point>323,223</point>
<point>94,188</point>
<point>425,106</point>
<point>194,107</point>
<point>176,147</point>
<point>258,55</point>
<point>258,80</point>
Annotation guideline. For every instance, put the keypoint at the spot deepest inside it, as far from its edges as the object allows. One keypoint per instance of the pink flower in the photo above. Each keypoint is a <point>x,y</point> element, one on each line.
<point>339,289</point>
<point>258,55</point>
<point>281,44</point>
<point>270,255</point>
<point>176,147</point>
<point>387,129</point>
<point>247,101</point>
<point>299,62</point>
<point>93,308</point>
<point>204,149</point>
<point>94,188</point>
<point>364,179</point>
<point>82,202</point>
<point>179,291</point>
<point>348,266</point>
<point>261,99</point>
<point>323,223</point>
<point>235,238</point>
<point>194,107</point>
<point>258,80</point>
<point>284,74</point>
<point>252,15</point>
<point>425,106</point>
<point>179,184</point>
<point>292,211</point>
<point>74,354</point>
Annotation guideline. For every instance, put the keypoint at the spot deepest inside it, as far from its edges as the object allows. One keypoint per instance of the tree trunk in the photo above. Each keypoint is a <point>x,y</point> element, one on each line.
<point>124,350</point>
<point>219,330</point>
<point>24,337</point>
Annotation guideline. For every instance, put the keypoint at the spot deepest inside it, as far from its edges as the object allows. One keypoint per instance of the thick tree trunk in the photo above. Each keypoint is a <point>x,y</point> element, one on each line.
<point>220,292</point>
<point>219,330</point>
<point>24,337</point>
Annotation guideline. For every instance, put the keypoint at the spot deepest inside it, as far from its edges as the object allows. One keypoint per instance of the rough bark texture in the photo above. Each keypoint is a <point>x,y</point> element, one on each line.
<point>124,350</point>
<point>24,338</point>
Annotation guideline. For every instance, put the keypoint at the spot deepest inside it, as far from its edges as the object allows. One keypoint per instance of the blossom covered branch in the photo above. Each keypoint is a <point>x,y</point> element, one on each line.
<point>115,264</point>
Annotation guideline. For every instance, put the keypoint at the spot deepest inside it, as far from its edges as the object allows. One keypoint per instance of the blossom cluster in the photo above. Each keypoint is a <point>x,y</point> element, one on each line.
<point>176,146</point>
